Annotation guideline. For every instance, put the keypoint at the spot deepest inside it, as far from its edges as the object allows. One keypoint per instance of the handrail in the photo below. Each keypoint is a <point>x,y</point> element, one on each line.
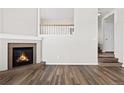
<point>57,24</point>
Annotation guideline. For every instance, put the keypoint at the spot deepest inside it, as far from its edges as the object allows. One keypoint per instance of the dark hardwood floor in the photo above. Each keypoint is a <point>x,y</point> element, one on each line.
<point>63,75</point>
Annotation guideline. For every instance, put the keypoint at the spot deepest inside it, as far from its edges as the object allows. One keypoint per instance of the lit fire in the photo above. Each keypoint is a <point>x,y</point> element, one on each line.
<point>23,57</point>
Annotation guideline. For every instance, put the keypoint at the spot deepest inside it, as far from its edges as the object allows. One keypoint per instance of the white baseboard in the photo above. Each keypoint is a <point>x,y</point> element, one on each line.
<point>72,63</point>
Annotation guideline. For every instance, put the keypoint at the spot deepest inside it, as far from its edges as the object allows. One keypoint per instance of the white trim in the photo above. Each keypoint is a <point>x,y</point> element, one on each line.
<point>1,20</point>
<point>25,37</point>
<point>48,35</point>
<point>38,19</point>
<point>123,65</point>
<point>71,63</point>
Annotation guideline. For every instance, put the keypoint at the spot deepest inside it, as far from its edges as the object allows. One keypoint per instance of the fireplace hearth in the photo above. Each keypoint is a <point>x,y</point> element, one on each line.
<point>20,54</point>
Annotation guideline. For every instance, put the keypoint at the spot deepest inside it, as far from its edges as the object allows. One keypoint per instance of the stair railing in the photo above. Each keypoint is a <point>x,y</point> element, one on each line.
<point>56,29</point>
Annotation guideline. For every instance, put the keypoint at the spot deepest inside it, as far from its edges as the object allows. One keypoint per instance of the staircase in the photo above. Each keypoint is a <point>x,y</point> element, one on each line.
<point>108,59</point>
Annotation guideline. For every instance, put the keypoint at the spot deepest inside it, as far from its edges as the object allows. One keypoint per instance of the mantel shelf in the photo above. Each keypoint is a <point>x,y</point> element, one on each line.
<point>22,37</point>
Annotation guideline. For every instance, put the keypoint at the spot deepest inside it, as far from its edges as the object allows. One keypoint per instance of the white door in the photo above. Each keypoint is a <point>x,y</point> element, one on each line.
<point>108,36</point>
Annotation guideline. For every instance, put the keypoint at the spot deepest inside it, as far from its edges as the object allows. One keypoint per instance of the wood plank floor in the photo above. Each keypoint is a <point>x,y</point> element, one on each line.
<point>63,75</point>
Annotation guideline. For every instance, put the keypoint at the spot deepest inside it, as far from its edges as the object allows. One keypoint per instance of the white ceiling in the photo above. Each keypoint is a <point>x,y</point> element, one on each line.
<point>105,11</point>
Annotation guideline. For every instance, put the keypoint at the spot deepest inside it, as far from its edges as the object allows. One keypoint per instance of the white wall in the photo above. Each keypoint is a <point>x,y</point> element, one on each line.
<point>119,29</point>
<point>81,48</point>
<point>22,21</point>
<point>57,15</point>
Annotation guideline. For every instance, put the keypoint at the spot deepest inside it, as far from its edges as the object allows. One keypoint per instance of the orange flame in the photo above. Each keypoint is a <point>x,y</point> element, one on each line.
<point>23,57</point>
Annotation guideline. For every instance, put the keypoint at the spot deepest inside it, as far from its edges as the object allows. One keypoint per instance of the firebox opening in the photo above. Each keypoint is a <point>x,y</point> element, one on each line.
<point>22,56</point>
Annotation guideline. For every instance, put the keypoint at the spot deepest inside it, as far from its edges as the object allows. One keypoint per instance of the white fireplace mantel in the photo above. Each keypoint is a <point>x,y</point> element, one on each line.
<point>5,39</point>
<point>22,37</point>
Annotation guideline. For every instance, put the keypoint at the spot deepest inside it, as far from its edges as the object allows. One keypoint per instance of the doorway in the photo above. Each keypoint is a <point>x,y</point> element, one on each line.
<point>106,55</point>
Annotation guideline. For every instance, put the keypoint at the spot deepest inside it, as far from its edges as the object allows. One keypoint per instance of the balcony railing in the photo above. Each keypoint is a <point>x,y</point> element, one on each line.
<point>56,29</point>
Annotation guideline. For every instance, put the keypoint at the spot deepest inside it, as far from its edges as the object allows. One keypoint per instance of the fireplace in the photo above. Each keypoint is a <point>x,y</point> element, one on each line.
<point>21,54</point>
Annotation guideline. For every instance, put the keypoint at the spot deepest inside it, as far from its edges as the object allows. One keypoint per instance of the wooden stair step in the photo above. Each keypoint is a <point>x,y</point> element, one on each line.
<point>108,60</point>
<point>110,64</point>
<point>106,55</point>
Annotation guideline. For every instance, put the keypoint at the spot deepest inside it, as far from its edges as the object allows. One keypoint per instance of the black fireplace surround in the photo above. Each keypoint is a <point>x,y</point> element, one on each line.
<point>22,56</point>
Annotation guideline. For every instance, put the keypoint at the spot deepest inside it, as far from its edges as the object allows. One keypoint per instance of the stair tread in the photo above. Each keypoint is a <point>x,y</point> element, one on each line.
<point>110,64</point>
<point>108,60</point>
<point>105,57</point>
